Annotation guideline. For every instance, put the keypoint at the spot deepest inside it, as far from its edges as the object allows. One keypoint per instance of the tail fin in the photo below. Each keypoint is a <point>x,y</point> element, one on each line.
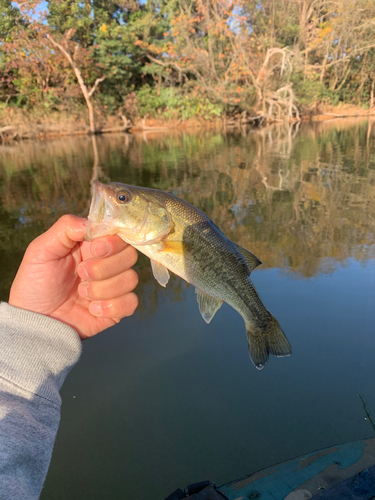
<point>270,340</point>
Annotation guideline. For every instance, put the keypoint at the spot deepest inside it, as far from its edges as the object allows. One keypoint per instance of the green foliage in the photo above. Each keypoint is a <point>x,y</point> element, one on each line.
<point>330,96</point>
<point>308,90</point>
<point>10,16</point>
<point>72,14</point>
<point>187,59</point>
<point>172,104</point>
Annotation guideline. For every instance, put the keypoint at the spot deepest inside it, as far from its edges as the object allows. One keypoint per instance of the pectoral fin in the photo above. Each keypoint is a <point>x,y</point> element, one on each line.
<point>251,261</point>
<point>160,272</point>
<point>174,247</point>
<point>207,305</point>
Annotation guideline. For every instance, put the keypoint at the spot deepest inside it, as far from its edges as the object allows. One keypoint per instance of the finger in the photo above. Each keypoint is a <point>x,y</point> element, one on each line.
<point>111,288</point>
<point>102,269</point>
<point>59,240</point>
<point>103,247</point>
<point>115,308</point>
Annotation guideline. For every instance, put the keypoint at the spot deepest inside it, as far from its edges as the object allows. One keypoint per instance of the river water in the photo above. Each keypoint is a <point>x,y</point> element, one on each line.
<point>162,399</point>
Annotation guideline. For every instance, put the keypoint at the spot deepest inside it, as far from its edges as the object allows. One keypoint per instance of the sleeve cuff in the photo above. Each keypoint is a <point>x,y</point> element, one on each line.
<point>36,351</point>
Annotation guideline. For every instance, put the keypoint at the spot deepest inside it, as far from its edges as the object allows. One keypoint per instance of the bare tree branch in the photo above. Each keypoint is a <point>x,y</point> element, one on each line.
<point>98,80</point>
<point>87,94</point>
<point>338,61</point>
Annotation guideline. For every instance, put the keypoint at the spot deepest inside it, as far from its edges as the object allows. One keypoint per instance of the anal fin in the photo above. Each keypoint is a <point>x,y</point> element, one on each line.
<point>160,272</point>
<point>208,306</point>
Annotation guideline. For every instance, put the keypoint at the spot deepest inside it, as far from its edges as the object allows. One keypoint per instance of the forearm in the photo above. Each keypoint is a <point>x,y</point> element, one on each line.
<point>36,354</point>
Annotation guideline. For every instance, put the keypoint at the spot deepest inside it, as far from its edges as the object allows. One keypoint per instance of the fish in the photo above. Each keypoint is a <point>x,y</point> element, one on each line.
<point>180,238</point>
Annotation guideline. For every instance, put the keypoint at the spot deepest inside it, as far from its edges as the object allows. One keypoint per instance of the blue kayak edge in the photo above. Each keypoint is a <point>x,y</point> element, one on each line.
<point>339,472</point>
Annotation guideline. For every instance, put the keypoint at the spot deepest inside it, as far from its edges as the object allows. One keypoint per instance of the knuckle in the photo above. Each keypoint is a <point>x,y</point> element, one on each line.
<point>132,278</point>
<point>120,243</point>
<point>131,303</point>
<point>131,256</point>
<point>33,245</point>
<point>134,254</point>
<point>94,291</point>
<point>66,220</point>
<point>96,270</point>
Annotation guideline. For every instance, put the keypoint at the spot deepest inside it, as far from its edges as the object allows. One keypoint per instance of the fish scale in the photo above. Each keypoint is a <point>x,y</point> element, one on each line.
<point>178,237</point>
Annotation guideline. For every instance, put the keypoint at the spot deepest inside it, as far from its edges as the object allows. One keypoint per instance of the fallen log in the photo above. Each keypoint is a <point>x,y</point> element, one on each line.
<point>114,129</point>
<point>5,129</point>
<point>333,114</point>
<point>128,124</point>
<point>144,127</point>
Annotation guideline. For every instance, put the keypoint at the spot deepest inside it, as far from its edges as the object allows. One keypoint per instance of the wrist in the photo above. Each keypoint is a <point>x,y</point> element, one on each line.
<point>37,351</point>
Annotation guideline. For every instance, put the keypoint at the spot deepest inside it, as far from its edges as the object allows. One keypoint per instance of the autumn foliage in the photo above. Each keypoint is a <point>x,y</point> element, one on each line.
<point>181,58</point>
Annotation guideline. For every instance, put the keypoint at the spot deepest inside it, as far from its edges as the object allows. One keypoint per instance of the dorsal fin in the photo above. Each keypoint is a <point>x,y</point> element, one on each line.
<point>251,261</point>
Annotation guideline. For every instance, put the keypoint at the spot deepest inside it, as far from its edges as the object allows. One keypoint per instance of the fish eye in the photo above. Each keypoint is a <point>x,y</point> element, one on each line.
<point>123,197</point>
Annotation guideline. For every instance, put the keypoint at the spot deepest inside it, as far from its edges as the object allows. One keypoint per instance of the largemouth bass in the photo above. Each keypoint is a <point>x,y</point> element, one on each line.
<point>176,236</point>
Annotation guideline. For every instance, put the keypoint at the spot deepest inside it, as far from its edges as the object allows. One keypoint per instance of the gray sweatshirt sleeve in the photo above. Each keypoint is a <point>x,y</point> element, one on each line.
<point>36,354</point>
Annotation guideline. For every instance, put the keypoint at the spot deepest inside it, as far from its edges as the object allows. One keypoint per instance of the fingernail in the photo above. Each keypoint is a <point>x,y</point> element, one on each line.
<point>95,308</point>
<point>101,248</point>
<point>83,290</point>
<point>82,272</point>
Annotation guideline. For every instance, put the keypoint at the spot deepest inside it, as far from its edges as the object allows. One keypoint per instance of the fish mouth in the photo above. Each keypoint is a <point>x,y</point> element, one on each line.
<point>101,213</point>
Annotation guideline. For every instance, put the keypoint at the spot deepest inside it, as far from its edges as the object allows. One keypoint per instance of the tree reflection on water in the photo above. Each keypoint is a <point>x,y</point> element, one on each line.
<point>302,200</point>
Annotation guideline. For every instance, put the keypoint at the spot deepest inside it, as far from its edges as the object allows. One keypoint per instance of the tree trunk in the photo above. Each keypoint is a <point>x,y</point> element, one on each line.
<point>86,94</point>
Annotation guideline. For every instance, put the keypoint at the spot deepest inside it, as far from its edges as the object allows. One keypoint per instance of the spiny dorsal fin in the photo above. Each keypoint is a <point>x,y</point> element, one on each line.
<point>250,258</point>
<point>160,272</point>
<point>207,305</point>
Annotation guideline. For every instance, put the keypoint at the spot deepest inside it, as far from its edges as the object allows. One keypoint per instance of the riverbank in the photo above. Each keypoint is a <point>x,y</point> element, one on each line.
<point>16,124</point>
<point>329,112</point>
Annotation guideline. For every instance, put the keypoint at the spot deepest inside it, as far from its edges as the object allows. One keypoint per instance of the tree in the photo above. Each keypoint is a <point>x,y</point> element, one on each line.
<point>212,48</point>
<point>269,59</point>
<point>10,18</point>
<point>86,93</point>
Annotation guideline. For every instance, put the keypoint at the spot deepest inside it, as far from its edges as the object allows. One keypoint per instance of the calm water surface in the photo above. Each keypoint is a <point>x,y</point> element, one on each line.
<point>162,399</point>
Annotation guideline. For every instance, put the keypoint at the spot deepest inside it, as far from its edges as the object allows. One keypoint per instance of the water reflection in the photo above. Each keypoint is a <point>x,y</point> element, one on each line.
<point>163,400</point>
<point>303,200</point>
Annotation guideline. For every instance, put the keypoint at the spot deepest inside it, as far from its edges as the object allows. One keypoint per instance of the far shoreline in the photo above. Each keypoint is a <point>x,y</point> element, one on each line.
<point>59,127</point>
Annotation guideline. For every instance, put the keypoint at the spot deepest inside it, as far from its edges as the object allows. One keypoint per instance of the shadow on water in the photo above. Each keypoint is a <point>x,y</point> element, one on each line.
<point>163,399</point>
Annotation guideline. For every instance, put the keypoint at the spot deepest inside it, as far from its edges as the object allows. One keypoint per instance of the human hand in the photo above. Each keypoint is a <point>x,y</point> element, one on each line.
<point>87,285</point>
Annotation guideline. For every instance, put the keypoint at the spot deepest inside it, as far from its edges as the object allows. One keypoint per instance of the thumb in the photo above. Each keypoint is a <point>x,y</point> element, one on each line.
<point>59,240</point>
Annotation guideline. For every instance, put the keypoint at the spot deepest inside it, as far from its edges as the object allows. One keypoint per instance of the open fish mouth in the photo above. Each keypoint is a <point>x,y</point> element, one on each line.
<point>101,214</point>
